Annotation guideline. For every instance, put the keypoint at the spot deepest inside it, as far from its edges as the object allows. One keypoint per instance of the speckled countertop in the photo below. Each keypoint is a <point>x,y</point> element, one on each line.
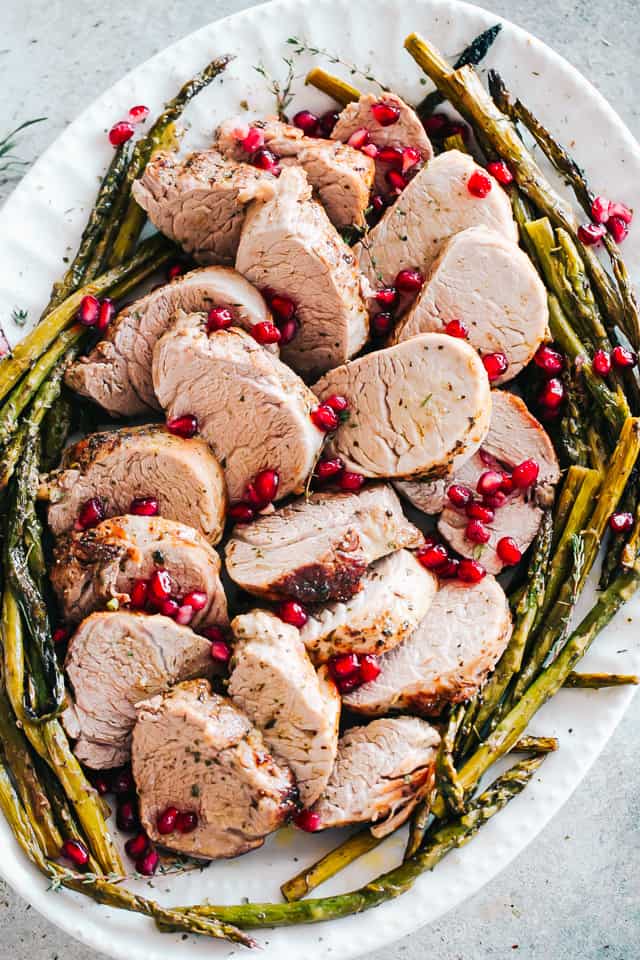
<point>575,893</point>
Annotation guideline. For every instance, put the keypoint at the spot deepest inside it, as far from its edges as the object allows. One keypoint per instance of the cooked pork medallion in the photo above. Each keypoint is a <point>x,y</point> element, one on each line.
<point>298,710</point>
<point>201,201</point>
<point>489,284</point>
<point>97,566</point>
<point>113,468</point>
<point>420,408</point>
<point>114,660</point>
<point>196,752</point>
<point>318,548</point>
<point>448,657</point>
<point>396,593</point>
<point>340,176</point>
<point>258,415</point>
<point>289,245</point>
<point>117,372</point>
<point>383,770</point>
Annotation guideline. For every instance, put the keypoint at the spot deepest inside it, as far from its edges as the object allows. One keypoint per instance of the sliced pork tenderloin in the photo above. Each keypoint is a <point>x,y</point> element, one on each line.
<point>448,657</point>
<point>201,201</point>
<point>420,408</point>
<point>396,593</point>
<point>383,770</point>
<point>117,372</point>
<point>298,710</point>
<point>258,415</point>
<point>195,751</point>
<point>113,661</point>
<point>289,246</point>
<point>318,548</point>
<point>95,567</point>
<point>340,176</point>
<point>115,467</point>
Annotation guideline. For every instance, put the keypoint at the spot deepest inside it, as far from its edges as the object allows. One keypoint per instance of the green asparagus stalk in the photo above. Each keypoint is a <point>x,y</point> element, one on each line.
<point>446,776</point>
<point>595,681</point>
<point>418,826</point>
<point>618,544</point>
<point>473,55</point>
<point>536,745</point>
<point>334,87</point>
<point>564,503</point>
<point>56,428</point>
<point>17,818</point>
<point>63,814</point>
<point>333,862</point>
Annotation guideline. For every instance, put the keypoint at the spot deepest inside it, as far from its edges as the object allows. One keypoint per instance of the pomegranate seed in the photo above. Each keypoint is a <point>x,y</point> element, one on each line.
<point>337,402</point>
<point>144,507</point>
<point>283,307</point>
<point>479,184</point>
<point>213,633</point>
<point>489,482</point>
<point>591,234</point>
<point>508,551</point>
<point>308,820</point>
<point>266,485</point>
<point>476,511</point>
<point>184,614</point>
<point>169,608</point>
<point>266,160</point>
<point>507,483</point>
<point>175,270</point>
<point>187,821</point>
<point>359,138</point>
<point>325,418</point>
<point>500,172</point>
<point>378,203</point>
<point>328,121</point>
<point>495,364</point>
<point>327,469</point>
<point>552,394</point>
<point>433,556</point>
<point>617,228</point>
<point>470,571</point>
<point>185,426</point>
<point>220,651</point>
<point>621,522</point>
<point>307,122</point>
<point>126,817</point>
<point>395,180</point>
<point>137,846</point>
<point>138,596</point>
<point>382,324</point>
<point>549,360</point>
<point>147,865</point>
<point>459,495</point>
<point>293,613</point>
<point>219,318</point>
<point>410,157</point>
<point>106,314</point>
<point>456,328</point>
<point>525,474</point>
<point>495,500</point>
<point>254,140</point>
<point>159,585</point>
<point>241,513</point>
<point>166,822</point>
<point>476,532</point>
<point>370,150</point>
<point>621,210</point>
<point>623,358</point>
<point>386,296</point>
<point>61,634</point>
<point>409,281</point>
<point>196,599</point>
<point>138,113</point>
<point>600,209</point>
<point>344,665</point>
<point>385,113</point>
<point>436,123</point>
<point>265,333</point>
<point>450,570</point>
<point>91,513</point>
<point>288,330</point>
<point>122,782</point>
<point>350,482</point>
<point>369,668</point>
<point>101,784</point>
<point>120,132</point>
<point>89,311</point>
<point>392,156</point>
<point>76,852</point>
<point>601,363</point>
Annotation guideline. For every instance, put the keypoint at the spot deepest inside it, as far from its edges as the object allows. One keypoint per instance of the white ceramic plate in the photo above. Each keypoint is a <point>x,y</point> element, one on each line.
<point>41,223</point>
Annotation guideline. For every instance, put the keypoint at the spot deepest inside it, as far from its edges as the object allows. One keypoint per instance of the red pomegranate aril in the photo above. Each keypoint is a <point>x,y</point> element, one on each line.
<point>144,507</point>
<point>344,665</point>
<point>265,333</point>
<point>241,512</point>
<point>266,485</point>
<point>350,481</point>
<point>61,634</point>
<point>476,532</point>
<point>166,822</point>
<point>327,469</point>
<point>456,328</point>
<point>552,394</point>
<point>489,482</point>
<point>169,608</point>
<point>105,314</point>
<point>288,330</point>
<point>137,846</point>
<point>395,180</point>
<point>601,363</point>
<point>147,865</point>
<point>507,483</point>
<point>600,209</point>
<point>91,513</point>
<point>433,557</point>
<point>525,474</point>
<point>617,228</point>
<point>160,585</point>
<point>174,271</point>
<point>138,113</point>
<point>369,668</point>
<point>500,172</point>
<point>328,121</point>
<point>126,817</point>
<point>386,296</point>
<point>479,184</point>
<point>459,495</point>
<point>508,551</point>
<point>495,500</point>
<point>184,614</point>
<point>101,784</point>
<point>138,596</point>
<point>185,426</point>
<point>337,402</point>
<point>378,203</point>
<point>391,155</point>
<point>621,522</point>
<point>307,122</point>
<point>410,157</point>
<point>591,234</point>
<point>197,599</point>
<point>213,634</point>
<point>436,123</point>
<point>187,821</point>
<point>623,358</point>
<point>382,324</point>
<point>120,132</point>
<point>359,138</point>
<point>620,210</point>
<point>549,360</point>
<point>477,511</point>
<point>254,140</point>
<point>283,307</point>
<point>308,821</point>
<point>220,651</point>
<point>450,570</point>
<point>385,113</point>
<point>409,281</point>
<point>266,160</point>
<point>219,318</point>
<point>324,418</point>
<point>122,782</point>
<point>76,852</point>
<point>470,571</point>
<point>89,310</point>
<point>292,613</point>
<point>495,364</point>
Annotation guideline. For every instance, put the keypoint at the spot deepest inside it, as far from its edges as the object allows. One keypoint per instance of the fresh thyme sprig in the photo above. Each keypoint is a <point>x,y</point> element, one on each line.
<point>282,91</point>
<point>303,47</point>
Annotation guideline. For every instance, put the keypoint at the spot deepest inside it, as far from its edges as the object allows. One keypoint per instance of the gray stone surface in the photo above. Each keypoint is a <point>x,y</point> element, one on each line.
<point>575,893</point>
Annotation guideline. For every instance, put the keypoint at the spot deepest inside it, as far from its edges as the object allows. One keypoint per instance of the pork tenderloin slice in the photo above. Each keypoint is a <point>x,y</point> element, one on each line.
<point>194,750</point>
<point>435,205</point>
<point>201,201</point>
<point>407,131</point>
<point>396,593</point>
<point>318,549</point>
<point>117,372</point>
<point>448,657</point>
<point>93,567</point>
<point>490,284</point>
<point>340,176</point>
<point>383,770</point>
<point>289,245</point>
<point>113,661</point>
<point>118,466</point>
<point>258,416</point>
<point>420,408</point>
<point>298,710</point>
